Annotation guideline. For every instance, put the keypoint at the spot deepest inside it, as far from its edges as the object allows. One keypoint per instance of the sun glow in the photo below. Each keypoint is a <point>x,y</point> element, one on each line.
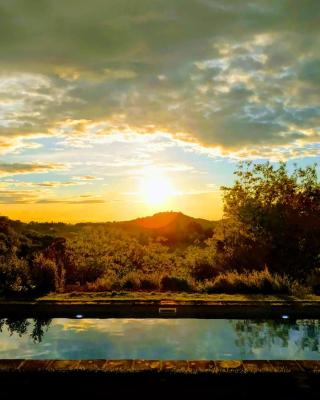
<point>155,187</point>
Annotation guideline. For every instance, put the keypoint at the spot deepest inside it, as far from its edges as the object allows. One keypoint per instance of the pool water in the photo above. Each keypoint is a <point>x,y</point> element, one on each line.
<point>170,339</point>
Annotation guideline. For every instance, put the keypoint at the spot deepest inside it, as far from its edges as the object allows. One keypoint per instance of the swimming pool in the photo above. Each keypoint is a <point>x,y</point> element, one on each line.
<point>159,338</point>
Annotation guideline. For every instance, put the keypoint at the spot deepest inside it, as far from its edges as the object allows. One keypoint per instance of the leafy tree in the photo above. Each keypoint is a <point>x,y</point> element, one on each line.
<point>273,218</point>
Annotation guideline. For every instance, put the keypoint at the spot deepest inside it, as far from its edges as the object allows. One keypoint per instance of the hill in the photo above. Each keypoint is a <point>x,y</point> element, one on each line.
<point>173,227</point>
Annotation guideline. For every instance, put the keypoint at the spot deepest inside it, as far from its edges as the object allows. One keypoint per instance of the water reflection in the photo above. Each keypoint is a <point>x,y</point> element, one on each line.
<point>159,338</point>
<point>256,335</point>
<point>36,327</point>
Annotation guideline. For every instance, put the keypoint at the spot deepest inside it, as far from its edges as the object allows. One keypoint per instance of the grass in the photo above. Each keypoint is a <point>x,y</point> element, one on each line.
<point>254,282</point>
<point>231,282</point>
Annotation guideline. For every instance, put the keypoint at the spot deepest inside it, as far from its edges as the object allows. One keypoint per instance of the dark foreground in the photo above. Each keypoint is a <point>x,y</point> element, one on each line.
<point>101,379</point>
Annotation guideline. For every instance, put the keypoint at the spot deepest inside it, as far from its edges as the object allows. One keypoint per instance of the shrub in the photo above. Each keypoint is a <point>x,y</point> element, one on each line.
<point>176,284</point>
<point>131,281</point>
<point>200,264</point>
<point>105,283</point>
<point>14,275</point>
<point>44,274</point>
<point>150,282</point>
<point>299,290</point>
<point>313,281</point>
<point>250,282</point>
<point>89,270</point>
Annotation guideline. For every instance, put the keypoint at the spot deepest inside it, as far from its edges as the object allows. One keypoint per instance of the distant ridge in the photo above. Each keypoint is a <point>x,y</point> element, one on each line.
<point>170,227</point>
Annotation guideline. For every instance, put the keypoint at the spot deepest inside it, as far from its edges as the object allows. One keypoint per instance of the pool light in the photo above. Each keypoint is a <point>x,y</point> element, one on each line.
<point>79,316</point>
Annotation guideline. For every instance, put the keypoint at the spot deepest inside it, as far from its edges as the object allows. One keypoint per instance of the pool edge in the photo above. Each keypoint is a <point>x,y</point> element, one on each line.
<point>164,367</point>
<point>303,309</point>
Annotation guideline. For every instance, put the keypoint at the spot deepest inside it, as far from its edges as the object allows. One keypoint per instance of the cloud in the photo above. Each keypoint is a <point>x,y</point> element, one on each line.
<point>235,79</point>
<point>87,178</point>
<point>82,199</point>
<point>32,196</point>
<point>29,104</point>
<point>9,196</point>
<point>55,184</point>
<point>8,169</point>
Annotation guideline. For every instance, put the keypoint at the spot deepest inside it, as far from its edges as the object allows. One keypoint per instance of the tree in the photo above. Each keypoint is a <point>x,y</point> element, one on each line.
<point>275,217</point>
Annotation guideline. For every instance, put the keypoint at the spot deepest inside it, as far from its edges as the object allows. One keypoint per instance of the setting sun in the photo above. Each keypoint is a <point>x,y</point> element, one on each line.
<point>155,187</point>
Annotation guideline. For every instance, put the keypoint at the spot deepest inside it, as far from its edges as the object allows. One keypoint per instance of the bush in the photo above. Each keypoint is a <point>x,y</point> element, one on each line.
<point>313,281</point>
<point>199,263</point>
<point>150,282</point>
<point>105,283</point>
<point>14,275</point>
<point>44,274</point>
<point>88,270</point>
<point>202,270</point>
<point>176,284</point>
<point>131,281</point>
<point>251,282</point>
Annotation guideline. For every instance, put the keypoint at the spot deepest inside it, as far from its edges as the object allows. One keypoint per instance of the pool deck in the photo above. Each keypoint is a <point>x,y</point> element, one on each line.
<point>183,379</point>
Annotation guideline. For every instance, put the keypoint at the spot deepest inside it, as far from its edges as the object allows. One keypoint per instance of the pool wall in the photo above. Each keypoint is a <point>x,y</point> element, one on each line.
<point>163,309</point>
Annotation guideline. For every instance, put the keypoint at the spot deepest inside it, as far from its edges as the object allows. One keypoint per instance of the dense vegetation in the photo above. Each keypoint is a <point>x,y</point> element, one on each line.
<point>268,242</point>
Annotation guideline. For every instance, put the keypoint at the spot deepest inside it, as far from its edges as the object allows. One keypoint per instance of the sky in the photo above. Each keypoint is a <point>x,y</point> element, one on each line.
<point>110,110</point>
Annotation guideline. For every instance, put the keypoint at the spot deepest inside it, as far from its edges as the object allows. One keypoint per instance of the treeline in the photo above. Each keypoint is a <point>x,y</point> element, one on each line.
<point>268,242</point>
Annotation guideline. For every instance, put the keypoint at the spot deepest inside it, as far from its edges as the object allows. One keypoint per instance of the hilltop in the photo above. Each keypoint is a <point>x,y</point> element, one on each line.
<point>174,227</point>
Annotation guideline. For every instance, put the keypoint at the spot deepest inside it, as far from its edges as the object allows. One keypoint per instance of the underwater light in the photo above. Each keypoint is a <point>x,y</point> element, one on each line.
<point>284,316</point>
<point>79,316</point>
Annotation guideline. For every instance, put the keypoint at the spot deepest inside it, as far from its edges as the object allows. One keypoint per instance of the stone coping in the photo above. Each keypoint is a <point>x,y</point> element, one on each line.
<point>182,367</point>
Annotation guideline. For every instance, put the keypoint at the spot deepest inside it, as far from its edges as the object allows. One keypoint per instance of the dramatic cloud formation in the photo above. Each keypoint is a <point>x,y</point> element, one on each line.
<point>110,87</point>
